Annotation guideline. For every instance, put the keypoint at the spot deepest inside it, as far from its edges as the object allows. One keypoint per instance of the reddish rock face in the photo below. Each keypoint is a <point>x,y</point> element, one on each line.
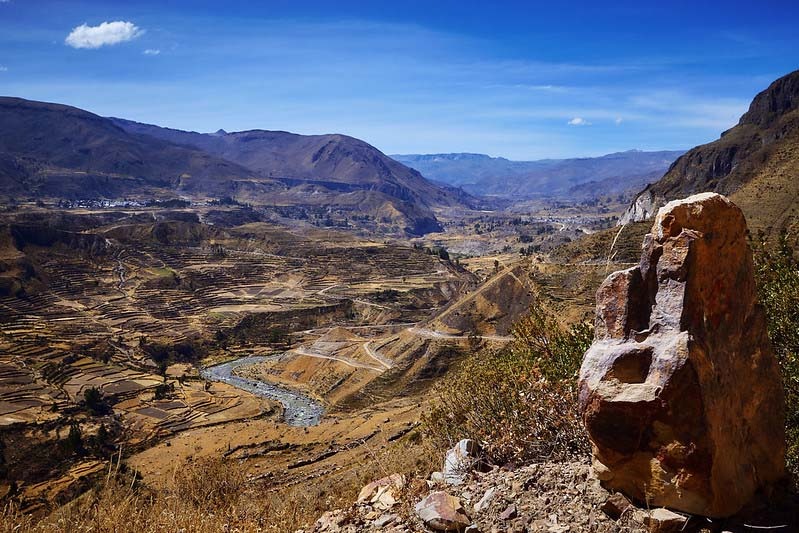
<point>442,512</point>
<point>680,391</point>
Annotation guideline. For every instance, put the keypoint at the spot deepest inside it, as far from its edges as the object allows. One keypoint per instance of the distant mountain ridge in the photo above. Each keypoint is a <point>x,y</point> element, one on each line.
<point>481,174</point>
<point>61,151</point>
<point>337,161</point>
<point>56,151</point>
<point>756,161</point>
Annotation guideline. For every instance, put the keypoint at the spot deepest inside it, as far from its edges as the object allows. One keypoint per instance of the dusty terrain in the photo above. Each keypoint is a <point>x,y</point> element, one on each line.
<point>132,302</point>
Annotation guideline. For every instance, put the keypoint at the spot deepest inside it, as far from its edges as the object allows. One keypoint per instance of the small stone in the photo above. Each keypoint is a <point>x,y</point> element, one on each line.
<point>382,493</point>
<point>615,505</point>
<point>329,520</point>
<point>460,460</point>
<point>485,501</point>
<point>437,477</point>
<point>385,520</point>
<point>509,513</point>
<point>664,521</point>
<point>442,512</point>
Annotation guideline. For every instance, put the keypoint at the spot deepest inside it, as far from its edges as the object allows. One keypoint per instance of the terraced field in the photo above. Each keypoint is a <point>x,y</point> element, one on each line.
<point>108,320</point>
<point>128,307</point>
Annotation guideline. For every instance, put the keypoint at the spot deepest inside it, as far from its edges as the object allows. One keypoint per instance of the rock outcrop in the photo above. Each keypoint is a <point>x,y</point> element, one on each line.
<point>765,138</point>
<point>680,392</point>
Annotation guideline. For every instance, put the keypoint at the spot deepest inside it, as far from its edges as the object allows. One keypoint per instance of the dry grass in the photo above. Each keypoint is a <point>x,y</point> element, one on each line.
<point>214,495</point>
<point>520,402</point>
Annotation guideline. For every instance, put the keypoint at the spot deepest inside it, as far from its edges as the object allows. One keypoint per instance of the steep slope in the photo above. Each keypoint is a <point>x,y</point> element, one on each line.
<point>483,175</point>
<point>337,162</point>
<point>61,151</point>
<point>757,162</point>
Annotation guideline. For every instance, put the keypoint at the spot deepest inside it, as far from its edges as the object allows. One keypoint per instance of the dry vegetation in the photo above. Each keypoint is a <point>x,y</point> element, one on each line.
<point>213,495</point>
<point>519,401</point>
<point>777,268</point>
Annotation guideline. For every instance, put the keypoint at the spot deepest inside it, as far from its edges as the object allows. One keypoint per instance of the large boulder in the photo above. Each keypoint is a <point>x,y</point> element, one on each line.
<point>680,391</point>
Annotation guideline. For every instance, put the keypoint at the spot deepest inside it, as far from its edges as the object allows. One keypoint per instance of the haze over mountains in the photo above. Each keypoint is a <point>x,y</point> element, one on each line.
<point>756,163</point>
<point>481,174</point>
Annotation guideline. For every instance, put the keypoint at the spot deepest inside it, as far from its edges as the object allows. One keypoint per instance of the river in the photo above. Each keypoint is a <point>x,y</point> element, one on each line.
<point>299,409</point>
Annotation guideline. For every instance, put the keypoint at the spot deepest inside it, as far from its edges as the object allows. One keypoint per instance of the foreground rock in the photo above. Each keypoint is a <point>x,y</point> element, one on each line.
<point>664,521</point>
<point>680,392</point>
<point>460,460</point>
<point>383,493</point>
<point>442,512</point>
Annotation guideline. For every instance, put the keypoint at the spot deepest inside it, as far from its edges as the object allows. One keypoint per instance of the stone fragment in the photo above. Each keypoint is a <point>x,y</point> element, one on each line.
<point>509,513</point>
<point>664,521</point>
<point>460,460</point>
<point>680,391</point>
<point>385,520</point>
<point>485,501</point>
<point>330,520</point>
<point>615,505</point>
<point>442,512</point>
<point>382,494</point>
<point>437,477</point>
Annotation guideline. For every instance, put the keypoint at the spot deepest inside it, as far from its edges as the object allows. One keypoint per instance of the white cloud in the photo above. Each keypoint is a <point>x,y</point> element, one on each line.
<point>3,68</point>
<point>151,52</point>
<point>578,121</point>
<point>107,33</point>
<point>618,120</point>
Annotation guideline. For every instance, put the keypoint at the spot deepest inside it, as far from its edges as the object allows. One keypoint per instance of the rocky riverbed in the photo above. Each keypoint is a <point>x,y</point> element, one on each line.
<point>299,409</point>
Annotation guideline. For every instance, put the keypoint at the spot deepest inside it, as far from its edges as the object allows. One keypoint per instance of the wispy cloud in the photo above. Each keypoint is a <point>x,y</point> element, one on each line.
<point>151,52</point>
<point>578,121</point>
<point>691,110</point>
<point>2,67</point>
<point>618,121</point>
<point>105,34</point>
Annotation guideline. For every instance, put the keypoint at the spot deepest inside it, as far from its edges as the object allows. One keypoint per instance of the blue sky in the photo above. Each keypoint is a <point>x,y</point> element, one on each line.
<point>524,80</point>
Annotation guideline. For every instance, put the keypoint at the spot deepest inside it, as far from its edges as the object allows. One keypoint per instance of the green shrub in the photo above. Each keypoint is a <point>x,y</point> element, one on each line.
<point>95,402</point>
<point>777,271</point>
<point>520,401</point>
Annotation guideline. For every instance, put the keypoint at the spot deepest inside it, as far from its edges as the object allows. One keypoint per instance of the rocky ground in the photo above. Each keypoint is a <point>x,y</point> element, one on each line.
<point>546,497</point>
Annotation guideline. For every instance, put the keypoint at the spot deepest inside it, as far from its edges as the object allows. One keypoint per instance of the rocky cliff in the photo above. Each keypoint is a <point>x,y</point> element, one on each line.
<point>767,136</point>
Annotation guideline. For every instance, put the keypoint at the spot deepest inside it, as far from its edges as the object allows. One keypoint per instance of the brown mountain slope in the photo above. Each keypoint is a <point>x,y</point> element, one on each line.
<point>337,162</point>
<point>756,162</point>
<point>60,151</point>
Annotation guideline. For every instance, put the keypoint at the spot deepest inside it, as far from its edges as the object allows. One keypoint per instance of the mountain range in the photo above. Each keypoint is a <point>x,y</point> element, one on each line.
<point>481,174</point>
<point>56,151</point>
<point>756,163</point>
